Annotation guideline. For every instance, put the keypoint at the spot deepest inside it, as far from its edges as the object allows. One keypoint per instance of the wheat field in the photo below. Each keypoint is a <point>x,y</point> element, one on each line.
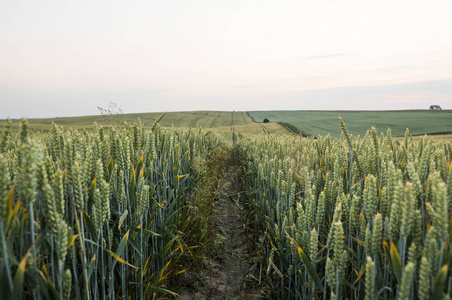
<point>117,211</point>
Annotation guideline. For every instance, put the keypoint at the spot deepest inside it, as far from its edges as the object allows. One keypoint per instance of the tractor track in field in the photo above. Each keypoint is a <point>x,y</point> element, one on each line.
<point>227,274</point>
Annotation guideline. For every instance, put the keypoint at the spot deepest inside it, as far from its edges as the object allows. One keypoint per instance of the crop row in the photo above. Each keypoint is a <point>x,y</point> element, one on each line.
<point>352,218</point>
<point>96,214</point>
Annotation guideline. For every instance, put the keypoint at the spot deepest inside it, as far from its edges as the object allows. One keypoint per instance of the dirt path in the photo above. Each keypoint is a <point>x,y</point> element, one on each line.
<point>226,274</point>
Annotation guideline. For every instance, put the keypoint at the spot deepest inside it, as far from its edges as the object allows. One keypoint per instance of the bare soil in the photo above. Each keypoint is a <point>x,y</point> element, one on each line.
<point>229,273</point>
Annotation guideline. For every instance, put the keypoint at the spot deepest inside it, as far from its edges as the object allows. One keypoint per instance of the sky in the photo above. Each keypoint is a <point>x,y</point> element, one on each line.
<point>66,58</point>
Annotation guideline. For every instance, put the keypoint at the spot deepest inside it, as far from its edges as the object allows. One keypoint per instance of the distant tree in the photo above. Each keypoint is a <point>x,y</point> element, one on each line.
<point>266,120</point>
<point>435,107</point>
<point>113,115</point>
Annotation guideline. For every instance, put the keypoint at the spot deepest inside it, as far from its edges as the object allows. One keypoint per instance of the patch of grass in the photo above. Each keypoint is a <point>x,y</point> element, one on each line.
<point>434,137</point>
<point>290,127</point>
<point>249,130</point>
<point>202,231</point>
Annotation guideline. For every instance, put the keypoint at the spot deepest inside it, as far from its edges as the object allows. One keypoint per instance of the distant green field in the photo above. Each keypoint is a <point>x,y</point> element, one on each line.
<point>192,119</point>
<point>217,121</point>
<point>315,123</point>
<point>311,123</point>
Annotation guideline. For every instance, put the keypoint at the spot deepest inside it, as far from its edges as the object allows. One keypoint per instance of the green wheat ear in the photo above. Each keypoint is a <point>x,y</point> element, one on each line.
<point>407,281</point>
<point>4,188</point>
<point>345,132</point>
<point>377,234</point>
<point>24,137</point>
<point>409,205</point>
<point>67,285</point>
<point>50,209</point>
<point>62,241</point>
<point>449,186</point>
<point>441,207</point>
<point>370,279</point>
<point>424,279</point>
<point>77,183</point>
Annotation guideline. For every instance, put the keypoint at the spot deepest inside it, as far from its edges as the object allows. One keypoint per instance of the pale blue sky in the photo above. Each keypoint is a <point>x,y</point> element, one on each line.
<point>65,58</point>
